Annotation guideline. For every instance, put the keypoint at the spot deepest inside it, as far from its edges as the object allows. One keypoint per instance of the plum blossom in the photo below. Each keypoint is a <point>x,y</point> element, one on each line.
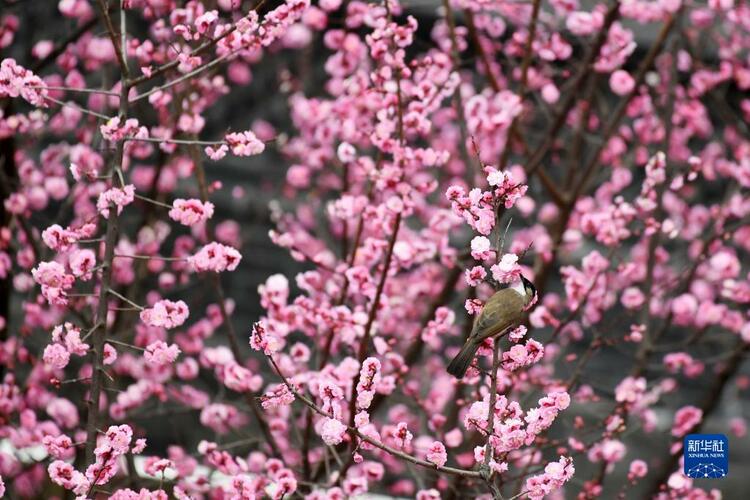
<point>139,446</point>
<point>507,270</point>
<point>609,451</point>
<point>630,390</point>
<point>397,171</point>
<point>369,377</point>
<point>277,396</point>
<point>160,353</point>
<point>166,313</point>
<point>244,143</point>
<point>638,469</point>
<point>116,197</point>
<point>476,208</point>
<point>190,212</point>
<point>240,379</point>
<point>621,82</point>
<point>475,275</point>
<point>82,263</point>
<point>113,131</point>
<point>262,340</point>
<point>54,281</point>
<point>59,239</point>
<point>437,454</point>
<point>69,336</point>
<point>15,81</point>
<point>685,420</point>
<point>481,248</point>
<point>522,355</point>
<point>402,435</point>
<point>215,257</point>
<point>63,474</point>
<point>217,153</point>
<point>332,431</point>
<point>555,475</point>
<point>56,356</point>
<point>60,447</point>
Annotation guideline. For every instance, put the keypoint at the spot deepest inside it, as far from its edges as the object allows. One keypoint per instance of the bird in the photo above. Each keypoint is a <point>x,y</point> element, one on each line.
<point>502,311</point>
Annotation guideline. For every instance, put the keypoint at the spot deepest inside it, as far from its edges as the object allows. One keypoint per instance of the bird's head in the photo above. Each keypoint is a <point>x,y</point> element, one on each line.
<point>530,291</point>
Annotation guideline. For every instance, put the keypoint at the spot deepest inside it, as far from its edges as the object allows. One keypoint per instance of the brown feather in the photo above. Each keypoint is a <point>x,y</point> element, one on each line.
<point>502,311</point>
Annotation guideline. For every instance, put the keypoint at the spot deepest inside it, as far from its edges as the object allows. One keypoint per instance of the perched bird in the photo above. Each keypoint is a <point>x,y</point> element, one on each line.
<point>504,310</point>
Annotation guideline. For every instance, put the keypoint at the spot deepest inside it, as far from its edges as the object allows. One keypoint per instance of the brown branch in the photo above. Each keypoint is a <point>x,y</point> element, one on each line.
<point>493,399</point>
<point>474,35</point>
<point>100,333</point>
<point>119,47</point>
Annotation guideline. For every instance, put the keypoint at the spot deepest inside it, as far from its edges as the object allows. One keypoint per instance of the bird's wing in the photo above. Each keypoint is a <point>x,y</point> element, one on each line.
<point>503,310</point>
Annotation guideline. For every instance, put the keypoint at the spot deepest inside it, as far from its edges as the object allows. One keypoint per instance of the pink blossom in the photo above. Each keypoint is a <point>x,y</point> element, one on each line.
<point>684,308</point>
<point>437,454</point>
<point>621,82</point>
<point>59,239</point>
<point>17,81</point>
<point>637,470</point>
<point>481,248</point>
<point>82,263</point>
<point>244,143</point>
<point>156,466</point>
<point>394,173</point>
<point>113,131</point>
<point>402,435</point>
<point>632,298</point>
<point>475,275</point>
<point>685,420</point>
<point>159,353</point>
<point>217,153</point>
<point>215,257</point>
<point>609,451</point>
<point>60,447</point>
<point>240,379</point>
<point>56,356</point>
<point>630,390</point>
<point>115,197</point>
<point>507,270</point>
<point>54,281</point>
<point>70,337</point>
<point>369,377</point>
<point>190,212</point>
<point>139,446</point>
<point>166,313</point>
<point>262,340</point>
<point>65,475</point>
<point>277,396</point>
<point>522,355</point>
<point>110,355</point>
<point>555,475</point>
<point>332,431</point>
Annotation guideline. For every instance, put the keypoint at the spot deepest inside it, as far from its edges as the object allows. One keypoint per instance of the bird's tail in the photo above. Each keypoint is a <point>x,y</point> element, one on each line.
<point>463,359</point>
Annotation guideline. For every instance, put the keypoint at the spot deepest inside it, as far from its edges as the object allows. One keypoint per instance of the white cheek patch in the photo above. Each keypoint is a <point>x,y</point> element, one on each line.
<point>518,287</point>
